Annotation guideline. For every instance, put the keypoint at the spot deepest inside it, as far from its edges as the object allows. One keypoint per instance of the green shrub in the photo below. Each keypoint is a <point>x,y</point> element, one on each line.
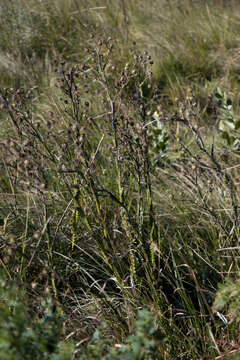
<point>145,343</point>
<point>28,335</point>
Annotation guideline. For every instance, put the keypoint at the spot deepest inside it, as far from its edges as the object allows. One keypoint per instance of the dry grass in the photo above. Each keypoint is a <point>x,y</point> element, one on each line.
<point>115,196</point>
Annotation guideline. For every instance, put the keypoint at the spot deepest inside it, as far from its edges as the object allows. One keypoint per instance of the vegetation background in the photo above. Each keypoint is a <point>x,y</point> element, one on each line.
<point>119,179</point>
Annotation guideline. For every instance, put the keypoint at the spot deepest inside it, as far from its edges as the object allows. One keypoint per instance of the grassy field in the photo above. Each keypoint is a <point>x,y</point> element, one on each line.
<point>119,180</point>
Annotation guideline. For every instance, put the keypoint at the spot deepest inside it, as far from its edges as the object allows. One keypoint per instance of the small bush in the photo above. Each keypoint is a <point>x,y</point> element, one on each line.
<point>25,334</point>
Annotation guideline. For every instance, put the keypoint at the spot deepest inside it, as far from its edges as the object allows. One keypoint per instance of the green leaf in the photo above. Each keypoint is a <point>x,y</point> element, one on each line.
<point>218,93</point>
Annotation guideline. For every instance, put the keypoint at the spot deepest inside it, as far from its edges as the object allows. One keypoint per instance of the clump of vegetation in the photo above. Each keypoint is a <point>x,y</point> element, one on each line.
<point>26,333</point>
<point>116,198</point>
